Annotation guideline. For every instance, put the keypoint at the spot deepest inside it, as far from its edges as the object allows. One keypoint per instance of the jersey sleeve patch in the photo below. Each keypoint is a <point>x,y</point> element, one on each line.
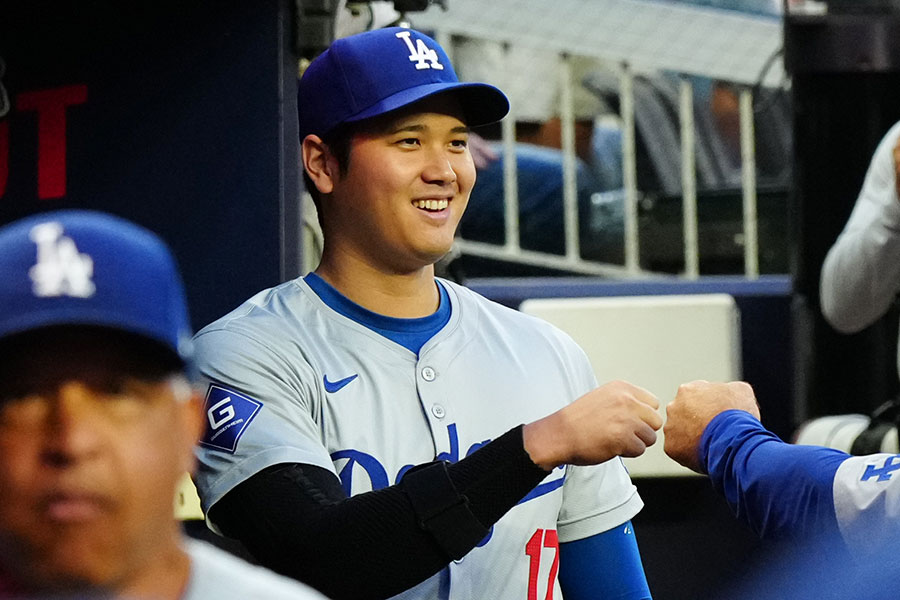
<point>228,414</point>
<point>867,500</point>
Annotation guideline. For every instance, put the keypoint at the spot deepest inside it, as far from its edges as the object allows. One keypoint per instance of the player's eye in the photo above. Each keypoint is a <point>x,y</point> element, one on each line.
<point>409,141</point>
<point>460,144</point>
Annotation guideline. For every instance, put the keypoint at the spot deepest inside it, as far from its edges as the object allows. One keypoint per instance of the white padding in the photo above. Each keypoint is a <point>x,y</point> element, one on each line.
<point>656,342</point>
<point>840,431</point>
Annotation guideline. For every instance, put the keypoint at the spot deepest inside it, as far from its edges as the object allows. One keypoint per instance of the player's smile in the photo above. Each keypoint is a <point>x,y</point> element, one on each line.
<point>432,205</point>
<point>436,209</point>
<point>406,186</point>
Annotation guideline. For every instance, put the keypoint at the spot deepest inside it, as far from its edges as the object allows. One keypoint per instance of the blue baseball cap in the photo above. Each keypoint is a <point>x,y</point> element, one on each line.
<point>372,73</point>
<point>78,267</point>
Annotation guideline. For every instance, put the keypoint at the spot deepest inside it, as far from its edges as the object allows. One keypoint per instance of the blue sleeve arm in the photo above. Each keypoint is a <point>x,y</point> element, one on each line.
<point>606,565</point>
<point>781,490</point>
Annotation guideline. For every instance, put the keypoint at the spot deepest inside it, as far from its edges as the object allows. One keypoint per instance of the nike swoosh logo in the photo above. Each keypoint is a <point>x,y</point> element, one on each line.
<point>335,386</point>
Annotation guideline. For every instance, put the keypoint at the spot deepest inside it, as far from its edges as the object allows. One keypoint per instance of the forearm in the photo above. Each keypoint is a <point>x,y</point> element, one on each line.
<point>606,565</point>
<point>780,490</point>
<point>311,531</point>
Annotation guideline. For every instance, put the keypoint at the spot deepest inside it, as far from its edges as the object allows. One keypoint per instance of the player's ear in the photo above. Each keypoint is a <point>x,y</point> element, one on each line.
<point>196,415</point>
<point>191,419</point>
<point>319,163</point>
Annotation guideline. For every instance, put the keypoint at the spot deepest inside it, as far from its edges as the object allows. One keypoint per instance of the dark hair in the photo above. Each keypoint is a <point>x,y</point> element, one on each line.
<point>134,355</point>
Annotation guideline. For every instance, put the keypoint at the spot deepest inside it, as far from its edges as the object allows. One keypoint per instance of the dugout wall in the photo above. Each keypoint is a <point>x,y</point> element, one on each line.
<point>178,115</point>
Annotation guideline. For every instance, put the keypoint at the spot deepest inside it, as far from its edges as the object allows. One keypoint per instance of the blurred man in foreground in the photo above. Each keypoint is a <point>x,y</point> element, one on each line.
<point>98,420</point>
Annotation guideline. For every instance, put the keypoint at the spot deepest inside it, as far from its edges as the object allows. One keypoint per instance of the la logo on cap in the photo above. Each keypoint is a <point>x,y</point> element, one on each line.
<point>422,55</point>
<point>61,270</point>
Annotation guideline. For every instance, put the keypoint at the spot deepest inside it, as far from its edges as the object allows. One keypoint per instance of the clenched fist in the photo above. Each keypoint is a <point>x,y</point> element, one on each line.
<point>616,419</point>
<point>694,406</point>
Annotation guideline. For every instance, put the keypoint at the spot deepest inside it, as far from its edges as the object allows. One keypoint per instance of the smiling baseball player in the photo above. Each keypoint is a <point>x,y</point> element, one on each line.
<point>366,421</point>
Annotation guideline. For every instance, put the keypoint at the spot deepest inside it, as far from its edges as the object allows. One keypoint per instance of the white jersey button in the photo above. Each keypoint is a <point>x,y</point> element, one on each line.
<point>438,411</point>
<point>428,374</point>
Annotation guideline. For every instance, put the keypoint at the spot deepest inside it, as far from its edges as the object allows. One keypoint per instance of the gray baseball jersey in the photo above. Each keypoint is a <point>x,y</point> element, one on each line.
<point>217,574</point>
<point>292,380</point>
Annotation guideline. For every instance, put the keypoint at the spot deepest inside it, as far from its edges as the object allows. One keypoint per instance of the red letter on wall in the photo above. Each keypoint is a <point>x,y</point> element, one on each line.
<point>51,108</point>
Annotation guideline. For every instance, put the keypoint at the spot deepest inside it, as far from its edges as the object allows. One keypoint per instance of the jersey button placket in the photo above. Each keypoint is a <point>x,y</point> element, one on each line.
<point>429,375</point>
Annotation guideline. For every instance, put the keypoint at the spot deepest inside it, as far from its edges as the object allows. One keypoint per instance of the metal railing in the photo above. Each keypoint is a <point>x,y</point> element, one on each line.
<point>572,261</point>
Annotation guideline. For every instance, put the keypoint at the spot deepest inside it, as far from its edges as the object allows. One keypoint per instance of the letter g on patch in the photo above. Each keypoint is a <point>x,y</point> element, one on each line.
<point>228,414</point>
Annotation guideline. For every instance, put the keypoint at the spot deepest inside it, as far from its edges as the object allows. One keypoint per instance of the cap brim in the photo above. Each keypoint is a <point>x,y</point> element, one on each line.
<point>57,317</point>
<point>481,103</point>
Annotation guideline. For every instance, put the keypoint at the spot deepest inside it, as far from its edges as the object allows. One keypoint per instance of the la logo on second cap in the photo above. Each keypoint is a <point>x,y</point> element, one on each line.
<point>61,270</point>
<point>422,55</point>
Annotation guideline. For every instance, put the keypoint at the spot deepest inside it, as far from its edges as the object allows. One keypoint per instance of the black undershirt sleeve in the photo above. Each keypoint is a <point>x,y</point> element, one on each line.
<point>296,519</point>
